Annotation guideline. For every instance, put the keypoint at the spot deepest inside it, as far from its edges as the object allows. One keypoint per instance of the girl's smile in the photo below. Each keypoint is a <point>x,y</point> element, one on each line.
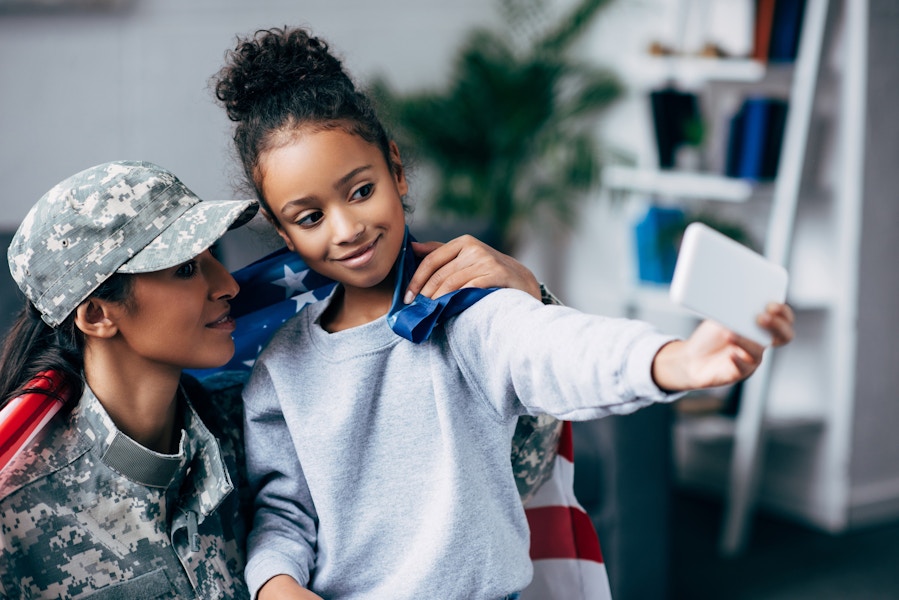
<point>360,258</point>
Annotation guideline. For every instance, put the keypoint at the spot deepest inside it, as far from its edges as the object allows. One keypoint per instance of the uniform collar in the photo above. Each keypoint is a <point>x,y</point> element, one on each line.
<point>197,448</point>
<point>121,453</point>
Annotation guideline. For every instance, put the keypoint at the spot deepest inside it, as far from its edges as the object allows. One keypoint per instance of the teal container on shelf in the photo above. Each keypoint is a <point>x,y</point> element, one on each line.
<point>658,236</point>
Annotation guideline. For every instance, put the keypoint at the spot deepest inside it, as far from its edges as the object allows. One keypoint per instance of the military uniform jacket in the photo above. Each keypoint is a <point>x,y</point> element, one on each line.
<point>87,512</point>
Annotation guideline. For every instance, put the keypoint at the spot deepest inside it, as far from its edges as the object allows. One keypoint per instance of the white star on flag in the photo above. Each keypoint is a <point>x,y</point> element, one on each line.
<point>304,299</point>
<point>292,282</point>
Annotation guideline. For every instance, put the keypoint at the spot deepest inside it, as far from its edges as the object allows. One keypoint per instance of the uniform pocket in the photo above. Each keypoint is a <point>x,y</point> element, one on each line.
<point>143,587</point>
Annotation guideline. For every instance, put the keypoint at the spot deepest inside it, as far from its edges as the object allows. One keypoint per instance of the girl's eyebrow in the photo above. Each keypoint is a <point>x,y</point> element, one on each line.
<point>346,178</point>
<point>337,186</point>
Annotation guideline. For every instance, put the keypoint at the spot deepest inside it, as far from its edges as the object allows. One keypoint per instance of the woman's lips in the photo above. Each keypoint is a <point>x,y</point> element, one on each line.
<point>225,322</point>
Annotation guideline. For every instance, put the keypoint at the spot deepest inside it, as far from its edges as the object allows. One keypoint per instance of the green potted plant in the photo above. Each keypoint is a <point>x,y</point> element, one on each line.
<point>511,137</point>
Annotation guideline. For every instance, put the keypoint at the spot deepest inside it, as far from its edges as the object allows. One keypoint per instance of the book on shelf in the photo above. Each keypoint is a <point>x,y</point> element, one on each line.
<point>764,20</point>
<point>755,126</point>
<point>657,237</point>
<point>778,24</point>
<point>777,121</point>
<point>755,139</point>
<point>676,119</point>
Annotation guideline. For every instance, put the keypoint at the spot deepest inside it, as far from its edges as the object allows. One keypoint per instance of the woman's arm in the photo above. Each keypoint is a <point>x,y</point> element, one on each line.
<point>466,262</point>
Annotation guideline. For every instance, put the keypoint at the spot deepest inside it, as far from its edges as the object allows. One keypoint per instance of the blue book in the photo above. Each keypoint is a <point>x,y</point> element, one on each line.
<point>755,129</point>
<point>658,237</point>
<point>777,119</point>
<point>785,30</point>
<point>734,144</point>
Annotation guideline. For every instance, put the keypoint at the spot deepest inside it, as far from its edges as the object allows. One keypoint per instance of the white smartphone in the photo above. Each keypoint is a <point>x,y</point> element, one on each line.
<point>723,280</point>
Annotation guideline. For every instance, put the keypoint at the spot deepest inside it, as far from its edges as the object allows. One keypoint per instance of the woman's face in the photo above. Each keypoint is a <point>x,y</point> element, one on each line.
<point>180,317</point>
<point>338,205</point>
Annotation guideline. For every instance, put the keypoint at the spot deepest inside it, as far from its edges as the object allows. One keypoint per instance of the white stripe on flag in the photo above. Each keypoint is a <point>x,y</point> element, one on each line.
<point>568,580</point>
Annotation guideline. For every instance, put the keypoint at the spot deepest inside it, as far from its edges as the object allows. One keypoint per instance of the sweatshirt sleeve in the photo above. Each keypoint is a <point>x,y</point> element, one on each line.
<point>528,357</point>
<point>282,539</point>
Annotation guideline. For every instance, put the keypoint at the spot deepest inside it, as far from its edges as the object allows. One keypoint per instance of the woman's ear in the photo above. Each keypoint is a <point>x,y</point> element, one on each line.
<point>93,317</point>
<point>396,166</point>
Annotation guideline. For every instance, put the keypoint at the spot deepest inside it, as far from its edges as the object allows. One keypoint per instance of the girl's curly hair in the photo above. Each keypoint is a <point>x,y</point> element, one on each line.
<point>281,81</point>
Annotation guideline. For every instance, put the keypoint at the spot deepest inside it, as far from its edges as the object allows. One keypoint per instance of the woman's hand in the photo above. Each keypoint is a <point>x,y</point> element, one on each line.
<point>466,262</point>
<point>714,356</point>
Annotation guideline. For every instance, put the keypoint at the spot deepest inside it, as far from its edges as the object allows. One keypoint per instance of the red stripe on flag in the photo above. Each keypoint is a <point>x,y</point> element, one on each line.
<point>562,532</point>
<point>566,442</point>
<point>22,422</point>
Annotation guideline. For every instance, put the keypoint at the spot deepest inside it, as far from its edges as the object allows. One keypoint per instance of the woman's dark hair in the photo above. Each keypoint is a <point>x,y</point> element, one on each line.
<point>279,81</point>
<point>32,346</point>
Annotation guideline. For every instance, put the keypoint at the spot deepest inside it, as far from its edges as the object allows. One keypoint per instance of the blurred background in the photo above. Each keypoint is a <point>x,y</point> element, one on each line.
<point>582,136</point>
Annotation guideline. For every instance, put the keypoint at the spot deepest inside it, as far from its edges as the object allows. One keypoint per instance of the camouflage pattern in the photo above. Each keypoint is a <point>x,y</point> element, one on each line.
<point>85,511</point>
<point>535,446</point>
<point>536,440</point>
<point>128,217</point>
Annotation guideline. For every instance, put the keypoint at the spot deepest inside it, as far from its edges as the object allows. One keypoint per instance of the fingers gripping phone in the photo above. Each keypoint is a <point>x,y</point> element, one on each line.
<point>723,280</point>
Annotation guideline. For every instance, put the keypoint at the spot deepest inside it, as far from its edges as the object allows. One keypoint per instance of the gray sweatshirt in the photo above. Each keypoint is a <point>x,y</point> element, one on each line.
<point>382,466</point>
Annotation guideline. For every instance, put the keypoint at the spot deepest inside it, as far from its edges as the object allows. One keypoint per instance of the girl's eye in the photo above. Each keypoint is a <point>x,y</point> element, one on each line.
<point>310,219</point>
<point>364,192</point>
<point>187,270</point>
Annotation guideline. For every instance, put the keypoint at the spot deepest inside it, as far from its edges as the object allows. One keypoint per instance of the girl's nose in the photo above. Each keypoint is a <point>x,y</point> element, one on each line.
<point>345,226</point>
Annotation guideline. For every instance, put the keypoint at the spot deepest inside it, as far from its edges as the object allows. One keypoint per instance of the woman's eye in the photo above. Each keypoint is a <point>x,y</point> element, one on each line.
<point>310,219</point>
<point>364,192</point>
<point>187,270</point>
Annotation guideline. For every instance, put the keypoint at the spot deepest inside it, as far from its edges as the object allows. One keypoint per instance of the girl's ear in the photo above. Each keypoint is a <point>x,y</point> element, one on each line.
<point>277,225</point>
<point>285,237</point>
<point>93,317</point>
<point>399,173</point>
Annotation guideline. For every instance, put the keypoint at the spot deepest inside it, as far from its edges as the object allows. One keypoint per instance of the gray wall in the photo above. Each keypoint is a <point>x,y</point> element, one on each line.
<point>79,88</point>
<point>875,453</point>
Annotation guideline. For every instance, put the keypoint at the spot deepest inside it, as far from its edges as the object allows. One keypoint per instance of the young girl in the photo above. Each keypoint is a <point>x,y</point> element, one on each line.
<point>381,465</point>
<point>131,490</point>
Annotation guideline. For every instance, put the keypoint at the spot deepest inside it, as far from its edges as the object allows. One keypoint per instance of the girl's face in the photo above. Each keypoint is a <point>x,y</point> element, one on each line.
<point>180,317</point>
<point>338,204</point>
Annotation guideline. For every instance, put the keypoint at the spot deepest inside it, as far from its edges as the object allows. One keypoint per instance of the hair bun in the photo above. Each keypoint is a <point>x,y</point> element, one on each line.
<point>271,63</point>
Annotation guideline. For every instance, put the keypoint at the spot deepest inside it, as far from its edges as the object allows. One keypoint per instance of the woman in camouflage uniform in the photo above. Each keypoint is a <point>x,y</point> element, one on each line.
<point>128,492</point>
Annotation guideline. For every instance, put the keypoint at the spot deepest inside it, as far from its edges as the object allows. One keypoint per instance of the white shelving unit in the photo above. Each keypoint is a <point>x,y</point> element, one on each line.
<point>683,185</point>
<point>787,447</point>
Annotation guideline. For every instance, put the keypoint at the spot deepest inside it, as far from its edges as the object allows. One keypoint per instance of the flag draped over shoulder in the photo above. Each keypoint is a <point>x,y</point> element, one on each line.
<point>568,563</point>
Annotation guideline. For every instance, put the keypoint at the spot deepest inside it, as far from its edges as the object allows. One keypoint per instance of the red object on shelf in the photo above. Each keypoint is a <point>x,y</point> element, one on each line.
<point>764,21</point>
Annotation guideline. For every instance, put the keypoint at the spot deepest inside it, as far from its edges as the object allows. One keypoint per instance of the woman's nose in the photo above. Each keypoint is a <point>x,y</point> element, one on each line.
<point>221,284</point>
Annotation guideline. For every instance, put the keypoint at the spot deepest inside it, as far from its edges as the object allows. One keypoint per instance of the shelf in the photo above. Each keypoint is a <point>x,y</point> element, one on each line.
<point>652,296</point>
<point>677,184</point>
<point>714,428</point>
<point>811,300</point>
<point>691,71</point>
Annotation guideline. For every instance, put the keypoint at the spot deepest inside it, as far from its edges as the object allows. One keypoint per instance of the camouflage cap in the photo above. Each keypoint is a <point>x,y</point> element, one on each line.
<point>125,217</point>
